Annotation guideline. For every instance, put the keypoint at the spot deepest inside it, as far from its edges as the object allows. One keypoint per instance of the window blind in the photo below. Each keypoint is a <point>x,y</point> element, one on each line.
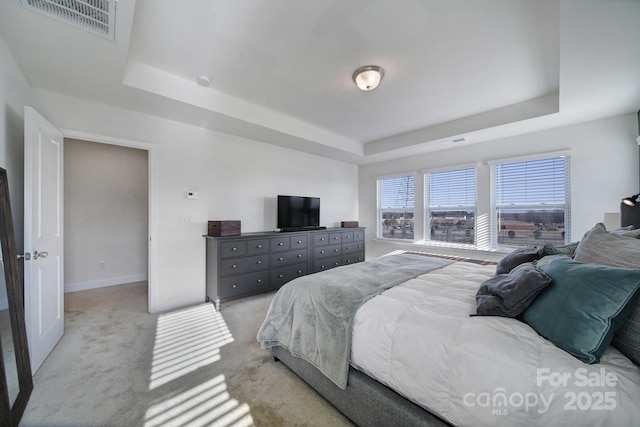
<point>452,188</point>
<point>532,182</point>
<point>397,192</point>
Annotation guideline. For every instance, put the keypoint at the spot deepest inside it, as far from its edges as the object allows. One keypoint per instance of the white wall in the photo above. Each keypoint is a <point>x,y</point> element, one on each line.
<point>106,207</point>
<point>15,93</point>
<point>235,178</point>
<point>604,169</point>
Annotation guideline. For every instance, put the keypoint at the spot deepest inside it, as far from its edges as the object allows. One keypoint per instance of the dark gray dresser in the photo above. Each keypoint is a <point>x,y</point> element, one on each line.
<point>251,263</point>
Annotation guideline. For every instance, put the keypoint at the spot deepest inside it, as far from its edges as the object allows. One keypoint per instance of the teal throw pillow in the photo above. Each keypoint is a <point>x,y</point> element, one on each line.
<point>584,305</point>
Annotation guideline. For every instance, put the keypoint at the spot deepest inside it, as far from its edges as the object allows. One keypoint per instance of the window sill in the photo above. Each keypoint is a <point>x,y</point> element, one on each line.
<point>443,248</point>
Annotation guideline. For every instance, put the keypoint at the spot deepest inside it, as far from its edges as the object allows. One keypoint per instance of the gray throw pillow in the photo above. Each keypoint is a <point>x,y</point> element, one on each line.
<point>627,339</point>
<point>510,294</point>
<point>517,257</point>
<point>568,250</point>
<point>598,246</point>
<point>627,231</point>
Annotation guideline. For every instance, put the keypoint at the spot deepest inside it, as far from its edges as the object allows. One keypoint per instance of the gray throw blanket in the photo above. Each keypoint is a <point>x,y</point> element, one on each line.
<point>312,316</point>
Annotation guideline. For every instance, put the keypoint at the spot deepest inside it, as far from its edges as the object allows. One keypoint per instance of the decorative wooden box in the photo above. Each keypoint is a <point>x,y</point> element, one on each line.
<point>223,228</point>
<point>349,224</point>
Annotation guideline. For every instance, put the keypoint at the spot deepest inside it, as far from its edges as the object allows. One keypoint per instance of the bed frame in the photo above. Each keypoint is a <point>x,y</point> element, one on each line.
<point>365,401</point>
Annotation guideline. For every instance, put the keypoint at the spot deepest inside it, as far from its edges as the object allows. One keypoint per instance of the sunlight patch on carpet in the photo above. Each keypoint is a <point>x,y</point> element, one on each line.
<point>185,341</point>
<point>207,404</point>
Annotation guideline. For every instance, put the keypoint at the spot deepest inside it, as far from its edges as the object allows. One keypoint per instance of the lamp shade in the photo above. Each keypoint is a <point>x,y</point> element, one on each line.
<point>368,78</point>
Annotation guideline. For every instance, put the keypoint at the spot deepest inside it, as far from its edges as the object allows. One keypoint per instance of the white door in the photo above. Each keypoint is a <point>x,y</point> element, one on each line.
<point>43,236</point>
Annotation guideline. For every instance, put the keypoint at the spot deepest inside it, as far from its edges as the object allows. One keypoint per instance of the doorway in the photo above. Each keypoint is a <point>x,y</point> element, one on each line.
<point>107,214</point>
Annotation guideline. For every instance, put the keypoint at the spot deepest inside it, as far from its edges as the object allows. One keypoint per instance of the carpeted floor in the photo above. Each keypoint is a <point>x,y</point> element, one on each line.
<point>117,365</point>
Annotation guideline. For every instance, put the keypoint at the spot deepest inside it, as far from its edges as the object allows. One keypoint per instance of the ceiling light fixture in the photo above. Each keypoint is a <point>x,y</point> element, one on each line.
<point>368,77</point>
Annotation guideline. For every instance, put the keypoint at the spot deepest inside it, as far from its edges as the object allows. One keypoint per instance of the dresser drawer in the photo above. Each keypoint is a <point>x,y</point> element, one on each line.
<point>280,244</point>
<point>244,264</point>
<point>242,284</point>
<point>358,235</point>
<point>233,248</point>
<point>287,258</point>
<point>298,242</point>
<point>326,264</point>
<point>320,239</point>
<point>352,258</point>
<point>258,246</point>
<point>352,247</point>
<point>347,237</point>
<point>282,275</point>
<point>335,238</point>
<point>328,251</point>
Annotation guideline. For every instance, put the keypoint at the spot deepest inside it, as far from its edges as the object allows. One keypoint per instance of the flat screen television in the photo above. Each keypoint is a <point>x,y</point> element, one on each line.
<point>298,213</point>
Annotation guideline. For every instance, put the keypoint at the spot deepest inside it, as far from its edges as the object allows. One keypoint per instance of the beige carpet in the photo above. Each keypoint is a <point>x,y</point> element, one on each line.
<point>117,365</point>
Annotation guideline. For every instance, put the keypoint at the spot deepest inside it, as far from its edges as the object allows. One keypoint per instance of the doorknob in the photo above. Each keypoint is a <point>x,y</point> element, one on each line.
<point>37,254</point>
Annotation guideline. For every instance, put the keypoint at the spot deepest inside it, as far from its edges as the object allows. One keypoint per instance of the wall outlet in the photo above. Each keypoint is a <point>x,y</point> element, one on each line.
<point>192,195</point>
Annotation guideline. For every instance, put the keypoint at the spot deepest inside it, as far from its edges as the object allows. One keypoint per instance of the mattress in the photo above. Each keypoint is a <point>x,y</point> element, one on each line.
<point>419,339</point>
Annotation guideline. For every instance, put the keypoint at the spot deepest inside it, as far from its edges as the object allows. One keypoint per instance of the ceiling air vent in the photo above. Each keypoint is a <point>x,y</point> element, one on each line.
<point>96,16</point>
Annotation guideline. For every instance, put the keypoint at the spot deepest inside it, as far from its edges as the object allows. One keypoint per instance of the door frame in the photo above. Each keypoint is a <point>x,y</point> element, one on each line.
<point>152,305</point>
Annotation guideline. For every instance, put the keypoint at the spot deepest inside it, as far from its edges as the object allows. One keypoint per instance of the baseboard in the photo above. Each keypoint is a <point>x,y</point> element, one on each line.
<point>83,286</point>
<point>177,303</point>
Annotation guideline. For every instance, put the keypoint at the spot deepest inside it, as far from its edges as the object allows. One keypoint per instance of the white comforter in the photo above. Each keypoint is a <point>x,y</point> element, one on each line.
<point>419,339</point>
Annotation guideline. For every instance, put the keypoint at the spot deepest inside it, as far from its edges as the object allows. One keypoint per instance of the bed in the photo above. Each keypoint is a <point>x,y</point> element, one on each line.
<point>409,339</point>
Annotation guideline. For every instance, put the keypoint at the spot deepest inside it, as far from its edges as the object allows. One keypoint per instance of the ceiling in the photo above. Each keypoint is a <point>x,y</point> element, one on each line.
<point>281,69</point>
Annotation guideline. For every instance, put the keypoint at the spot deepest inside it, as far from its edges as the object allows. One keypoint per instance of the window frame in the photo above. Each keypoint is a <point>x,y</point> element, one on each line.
<point>380,210</point>
<point>493,223</point>
<point>428,208</point>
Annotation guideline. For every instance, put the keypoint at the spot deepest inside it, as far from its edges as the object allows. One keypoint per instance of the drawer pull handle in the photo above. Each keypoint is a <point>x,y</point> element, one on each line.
<point>321,252</point>
<point>322,266</point>
<point>299,256</point>
<point>281,276</point>
<point>234,266</point>
<point>336,250</point>
<point>322,239</point>
<point>337,263</point>
<point>234,249</point>
<point>234,286</point>
<point>280,259</point>
<point>347,248</point>
<point>299,242</point>
<point>259,261</point>
<point>347,237</point>
<point>299,271</point>
<point>259,280</point>
<point>280,244</point>
<point>259,246</point>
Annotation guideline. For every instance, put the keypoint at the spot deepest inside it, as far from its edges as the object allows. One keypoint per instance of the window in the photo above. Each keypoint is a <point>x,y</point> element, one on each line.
<point>451,206</point>
<point>531,201</point>
<point>396,198</point>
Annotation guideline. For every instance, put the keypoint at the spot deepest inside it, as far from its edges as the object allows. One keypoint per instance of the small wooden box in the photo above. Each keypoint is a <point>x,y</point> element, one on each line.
<point>349,224</point>
<point>223,228</point>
